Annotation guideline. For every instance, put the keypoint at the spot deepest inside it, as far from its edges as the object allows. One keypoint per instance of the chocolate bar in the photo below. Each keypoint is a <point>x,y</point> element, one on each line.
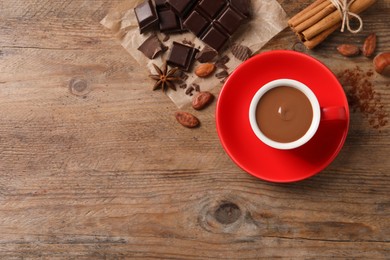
<point>207,54</point>
<point>181,56</point>
<point>214,21</point>
<point>146,16</point>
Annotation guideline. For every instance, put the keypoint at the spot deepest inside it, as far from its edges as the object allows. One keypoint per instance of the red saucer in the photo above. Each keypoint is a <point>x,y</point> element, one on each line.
<point>242,145</point>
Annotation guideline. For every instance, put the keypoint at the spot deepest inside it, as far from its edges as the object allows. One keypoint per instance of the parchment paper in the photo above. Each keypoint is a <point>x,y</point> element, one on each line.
<point>268,19</point>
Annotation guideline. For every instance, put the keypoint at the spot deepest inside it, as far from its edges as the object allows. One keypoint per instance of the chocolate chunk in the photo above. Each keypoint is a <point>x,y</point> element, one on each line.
<point>222,74</point>
<point>223,60</point>
<point>207,54</point>
<point>146,16</point>
<point>190,90</point>
<point>181,56</point>
<point>196,87</point>
<point>221,66</point>
<point>152,47</point>
<point>241,52</point>
<point>181,75</point>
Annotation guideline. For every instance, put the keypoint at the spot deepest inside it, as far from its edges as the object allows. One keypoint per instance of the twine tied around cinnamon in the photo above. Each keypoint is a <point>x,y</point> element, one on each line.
<point>343,7</point>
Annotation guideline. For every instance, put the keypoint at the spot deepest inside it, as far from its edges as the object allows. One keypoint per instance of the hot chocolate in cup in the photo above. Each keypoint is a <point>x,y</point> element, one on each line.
<point>285,114</point>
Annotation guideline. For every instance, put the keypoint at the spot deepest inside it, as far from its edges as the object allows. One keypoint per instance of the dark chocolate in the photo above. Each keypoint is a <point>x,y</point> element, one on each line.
<point>214,38</point>
<point>222,74</point>
<point>230,20</point>
<point>207,54</point>
<point>223,60</point>
<point>243,6</point>
<point>160,3</point>
<point>181,56</point>
<point>146,16</point>
<point>169,21</point>
<point>190,90</point>
<point>152,47</point>
<point>214,21</point>
<point>241,52</point>
<point>196,23</point>
<point>211,7</point>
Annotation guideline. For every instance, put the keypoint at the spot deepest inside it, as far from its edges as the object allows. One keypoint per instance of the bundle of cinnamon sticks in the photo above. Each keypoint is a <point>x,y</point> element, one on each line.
<point>320,19</point>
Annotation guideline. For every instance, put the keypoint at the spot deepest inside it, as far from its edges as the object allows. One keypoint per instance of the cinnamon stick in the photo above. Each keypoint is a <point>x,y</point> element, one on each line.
<point>334,18</point>
<point>330,8</point>
<point>316,22</point>
<point>310,44</point>
<point>299,17</point>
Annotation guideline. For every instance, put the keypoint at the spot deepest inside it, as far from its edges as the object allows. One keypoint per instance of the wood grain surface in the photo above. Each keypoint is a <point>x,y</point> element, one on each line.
<point>93,164</point>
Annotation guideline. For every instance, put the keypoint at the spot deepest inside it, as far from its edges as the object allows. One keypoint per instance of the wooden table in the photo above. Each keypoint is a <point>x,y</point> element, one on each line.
<point>94,166</point>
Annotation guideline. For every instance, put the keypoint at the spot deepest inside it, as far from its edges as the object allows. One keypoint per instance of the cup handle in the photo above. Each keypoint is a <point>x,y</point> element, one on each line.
<point>333,113</point>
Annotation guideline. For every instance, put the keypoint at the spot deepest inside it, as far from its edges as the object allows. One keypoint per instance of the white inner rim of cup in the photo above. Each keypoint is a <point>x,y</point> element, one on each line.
<point>314,104</point>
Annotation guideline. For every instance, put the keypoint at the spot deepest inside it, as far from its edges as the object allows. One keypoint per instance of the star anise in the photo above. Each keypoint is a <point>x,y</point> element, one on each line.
<point>165,78</point>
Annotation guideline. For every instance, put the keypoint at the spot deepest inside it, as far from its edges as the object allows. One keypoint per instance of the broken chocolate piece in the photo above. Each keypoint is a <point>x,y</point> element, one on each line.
<point>207,54</point>
<point>181,56</point>
<point>146,16</point>
<point>152,47</point>
<point>221,66</point>
<point>222,74</point>
<point>241,52</point>
<point>181,75</point>
<point>190,90</point>
<point>196,87</point>
<point>224,59</point>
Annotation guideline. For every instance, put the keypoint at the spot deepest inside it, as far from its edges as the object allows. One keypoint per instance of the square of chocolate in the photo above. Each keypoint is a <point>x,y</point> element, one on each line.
<point>146,16</point>
<point>169,21</point>
<point>181,56</point>
<point>181,6</point>
<point>243,6</point>
<point>211,7</point>
<point>230,20</point>
<point>196,23</point>
<point>214,38</point>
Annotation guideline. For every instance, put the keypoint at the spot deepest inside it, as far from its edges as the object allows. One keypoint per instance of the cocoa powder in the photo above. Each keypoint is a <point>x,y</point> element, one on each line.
<point>362,96</point>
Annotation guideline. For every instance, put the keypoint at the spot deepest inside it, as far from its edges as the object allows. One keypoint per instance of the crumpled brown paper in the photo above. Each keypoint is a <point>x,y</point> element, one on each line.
<point>268,19</point>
